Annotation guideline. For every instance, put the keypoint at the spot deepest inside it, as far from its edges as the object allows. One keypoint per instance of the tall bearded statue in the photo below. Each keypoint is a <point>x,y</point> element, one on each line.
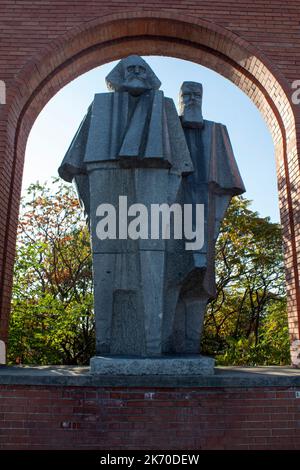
<point>131,144</point>
<point>214,181</point>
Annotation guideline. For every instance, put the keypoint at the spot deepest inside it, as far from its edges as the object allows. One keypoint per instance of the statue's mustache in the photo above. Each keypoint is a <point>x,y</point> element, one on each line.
<point>192,104</point>
<point>135,77</point>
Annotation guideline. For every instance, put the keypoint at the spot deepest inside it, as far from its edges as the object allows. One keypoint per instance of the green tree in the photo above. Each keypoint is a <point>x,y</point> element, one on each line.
<point>251,299</point>
<point>52,304</point>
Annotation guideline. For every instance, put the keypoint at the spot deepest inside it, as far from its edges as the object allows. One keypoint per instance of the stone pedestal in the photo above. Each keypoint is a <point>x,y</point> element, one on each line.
<point>165,365</point>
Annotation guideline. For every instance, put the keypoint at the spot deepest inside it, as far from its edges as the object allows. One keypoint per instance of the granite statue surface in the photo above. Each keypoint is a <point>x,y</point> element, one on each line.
<point>133,152</point>
<point>214,181</point>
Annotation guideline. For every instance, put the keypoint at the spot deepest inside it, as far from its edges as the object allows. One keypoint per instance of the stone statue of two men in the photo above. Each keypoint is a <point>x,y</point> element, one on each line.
<point>132,153</point>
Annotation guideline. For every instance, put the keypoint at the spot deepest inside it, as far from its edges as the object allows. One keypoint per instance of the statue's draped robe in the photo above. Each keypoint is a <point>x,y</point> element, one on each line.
<point>215,180</point>
<point>136,146</point>
<point>119,126</point>
<point>133,146</point>
<point>191,274</point>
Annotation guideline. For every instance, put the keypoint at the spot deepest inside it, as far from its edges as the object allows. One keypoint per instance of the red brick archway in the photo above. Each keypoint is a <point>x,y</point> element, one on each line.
<point>35,74</point>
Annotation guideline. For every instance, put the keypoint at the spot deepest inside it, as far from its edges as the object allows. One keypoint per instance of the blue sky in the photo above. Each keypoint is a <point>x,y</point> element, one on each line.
<point>222,102</point>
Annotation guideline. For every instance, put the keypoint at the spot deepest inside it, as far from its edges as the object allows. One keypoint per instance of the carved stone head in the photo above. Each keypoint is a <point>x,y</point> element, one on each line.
<point>134,75</point>
<point>190,104</point>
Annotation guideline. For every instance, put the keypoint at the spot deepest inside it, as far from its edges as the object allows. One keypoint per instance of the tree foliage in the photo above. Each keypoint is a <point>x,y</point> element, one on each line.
<point>247,322</point>
<point>52,303</point>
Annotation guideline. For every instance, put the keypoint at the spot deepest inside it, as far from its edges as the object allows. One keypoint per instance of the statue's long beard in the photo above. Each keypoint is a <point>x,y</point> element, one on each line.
<point>192,117</point>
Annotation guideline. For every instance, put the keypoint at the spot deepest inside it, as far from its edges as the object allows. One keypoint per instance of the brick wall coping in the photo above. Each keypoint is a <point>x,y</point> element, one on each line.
<point>271,376</point>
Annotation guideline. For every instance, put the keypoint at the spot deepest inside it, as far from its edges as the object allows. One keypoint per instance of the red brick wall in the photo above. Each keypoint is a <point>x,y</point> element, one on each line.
<point>46,43</point>
<point>37,417</point>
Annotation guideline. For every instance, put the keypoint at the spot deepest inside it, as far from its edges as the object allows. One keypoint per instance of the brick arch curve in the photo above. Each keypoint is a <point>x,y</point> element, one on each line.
<point>113,36</point>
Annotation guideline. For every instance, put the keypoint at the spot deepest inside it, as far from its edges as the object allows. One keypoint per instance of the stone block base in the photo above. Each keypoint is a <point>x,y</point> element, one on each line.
<point>166,365</point>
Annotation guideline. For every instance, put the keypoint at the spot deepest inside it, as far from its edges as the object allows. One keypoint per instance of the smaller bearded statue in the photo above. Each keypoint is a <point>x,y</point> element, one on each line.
<point>214,181</point>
